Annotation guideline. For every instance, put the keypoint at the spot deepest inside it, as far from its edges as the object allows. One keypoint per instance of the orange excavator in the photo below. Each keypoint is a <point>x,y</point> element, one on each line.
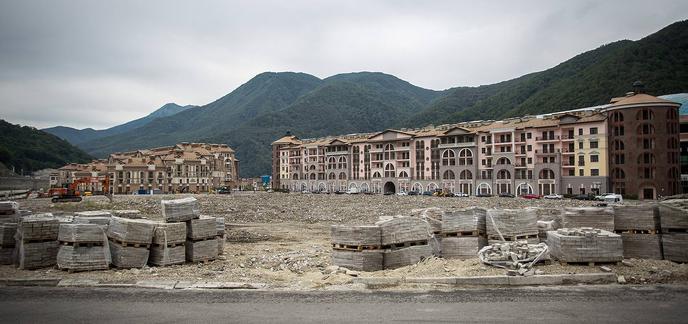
<point>72,194</point>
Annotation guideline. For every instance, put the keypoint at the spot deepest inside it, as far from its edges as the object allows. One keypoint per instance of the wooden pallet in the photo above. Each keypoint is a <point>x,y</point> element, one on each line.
<point>513,237</point>
<point>590,264</point>
<point>202,239</point>
<point>633,231</point>
<point>404,244</point>
<point>127,244</point>
<point>463,233</point>
<point>347,247</point>
<point>38,241</point>
<point>674,230</point>
<point>170,245</point>
<point>79,244</point>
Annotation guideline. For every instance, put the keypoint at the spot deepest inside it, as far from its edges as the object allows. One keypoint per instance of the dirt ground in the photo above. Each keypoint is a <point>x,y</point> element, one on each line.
<point>283,240</point>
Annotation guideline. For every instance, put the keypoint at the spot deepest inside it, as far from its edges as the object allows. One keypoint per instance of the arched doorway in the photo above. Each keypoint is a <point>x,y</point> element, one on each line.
<point>389,187</point>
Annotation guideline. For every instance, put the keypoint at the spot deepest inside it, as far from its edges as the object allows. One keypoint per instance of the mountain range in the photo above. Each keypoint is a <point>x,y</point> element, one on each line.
<point>270,104</point>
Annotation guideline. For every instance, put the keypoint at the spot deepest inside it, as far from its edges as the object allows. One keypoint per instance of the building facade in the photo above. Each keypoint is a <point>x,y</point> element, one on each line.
<point>185,167</point>
<point>558,153</point>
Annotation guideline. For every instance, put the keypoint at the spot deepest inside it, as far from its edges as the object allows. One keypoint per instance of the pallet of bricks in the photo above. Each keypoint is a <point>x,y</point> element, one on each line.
<point>433,216</point>
<point>463,233</point>
<point>584,245</point>
<point>83,247</point>
<point>201,231</point>
<point>639,230</point>
<point>357,247</point>
<point>405,241</point>
<point>511,225</point>
<point>98,217</point>
<point>674,225</point>
<point>595,217</point>
<point>36,241</point>
<point>130,241</point>
<point>9,217</point>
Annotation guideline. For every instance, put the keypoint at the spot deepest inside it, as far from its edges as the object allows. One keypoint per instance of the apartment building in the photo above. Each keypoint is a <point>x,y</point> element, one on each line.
<point>184,167</point>
<point>564,153</point>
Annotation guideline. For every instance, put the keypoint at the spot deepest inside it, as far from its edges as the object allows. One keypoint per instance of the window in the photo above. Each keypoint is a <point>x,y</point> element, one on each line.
<point>581,172</point>
<point>529,135</point>
<point>530,160</point>
<point>594,145</point>
<point>580,145</point>
<point>593,130</point>
<point>530,147</point>
<point>594,172</point>
<point>482,139</point>
<point>580,131</point>
<point>594,158</point>
<point>572,172</point>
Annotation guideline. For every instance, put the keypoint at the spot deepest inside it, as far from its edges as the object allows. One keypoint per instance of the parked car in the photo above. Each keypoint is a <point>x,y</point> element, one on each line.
<point>553,196</point>
<point>224,191</point>
<point>427,193</point>
<point>610,198</point>
<point>584,197</point>
<point>413,193</point>
<point>305,192</point>
<point>506,195</point>
<point>402,193</point>
<point>352,191</point>
<point>530,196</point>
<point>460,194</point>
<point>483,195</point>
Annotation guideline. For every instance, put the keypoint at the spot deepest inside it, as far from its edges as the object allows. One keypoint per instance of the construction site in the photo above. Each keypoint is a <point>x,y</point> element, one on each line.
<point>340,242</point>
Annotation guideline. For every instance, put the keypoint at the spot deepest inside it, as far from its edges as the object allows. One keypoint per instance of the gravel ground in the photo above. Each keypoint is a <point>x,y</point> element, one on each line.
<point>283,240</point>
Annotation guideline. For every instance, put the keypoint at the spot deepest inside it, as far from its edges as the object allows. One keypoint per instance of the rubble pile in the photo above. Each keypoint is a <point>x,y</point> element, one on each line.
<point>129,241</point>
<point>168,244</point>
<point>585,245</point>
<point>463,233</point>
<point>639,230</point>
<point>674,224</point>
<point>518,255</point>
<point>36,241</point>
<point>595,217</point>
<point>83,247</point>
<point>511,225</point>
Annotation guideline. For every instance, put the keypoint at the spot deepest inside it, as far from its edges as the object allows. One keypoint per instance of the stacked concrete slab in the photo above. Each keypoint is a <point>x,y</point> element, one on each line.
<point>220,226</point>
<point>585,245</point>
<point>180,210</point>
<point>129,241</point>
<point>512,225</point>
<point>127,213</point>
<point>36,241</point>
<point>405,240</point>
<point>168,244</point>
<point>595,217</point>
<point>98,217</point>
<point>639,230</point>
<point>83,247</point>
<point>357,247</point>
<point>7,242</point>
<point>201,239</point>
<point>674,224</point>
<point>463,233</point>
<point>431,215</point>
<point>9,212</point>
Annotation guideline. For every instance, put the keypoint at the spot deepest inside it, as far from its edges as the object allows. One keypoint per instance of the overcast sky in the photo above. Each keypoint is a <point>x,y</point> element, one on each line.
<point>101,63</point>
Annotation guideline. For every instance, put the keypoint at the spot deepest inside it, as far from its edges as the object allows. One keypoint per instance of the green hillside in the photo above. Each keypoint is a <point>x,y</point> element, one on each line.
<point>28,149</point>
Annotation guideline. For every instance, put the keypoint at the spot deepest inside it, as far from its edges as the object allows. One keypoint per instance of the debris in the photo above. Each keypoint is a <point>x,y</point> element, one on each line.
<point>513,255</point>
<point>606,269</point>
<point>621,279</point>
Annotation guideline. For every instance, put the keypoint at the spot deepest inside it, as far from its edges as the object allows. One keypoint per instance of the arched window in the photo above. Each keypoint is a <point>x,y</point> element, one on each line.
<point>331,163</point>
<point>331,176</point>
<point>389,171</point>
<point>646,129</point>
<point>403,174</point>
<point>466,175</point>
<point>503,160</point>
<point>448,157</point>
<point>389,153</point>
<point>645,114</point>
<point>546,174</point>
<point>618,131</point>
<point>618,174</point>
<point>342,176</point>
<point>312,176</point>
<point>377,174</point>
<point>618,145</point>
<point>465,157</point>
<point>503,174</point>
<point>312,168</point>
<point>342,162</point>
<point>448,175</point>
<point>617,117</point>
<point>295,176</point>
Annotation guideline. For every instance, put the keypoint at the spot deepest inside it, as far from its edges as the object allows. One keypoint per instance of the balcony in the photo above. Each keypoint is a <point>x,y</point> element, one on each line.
<point>567,137</point>
<point>547,152</point>
<point>457,145</point>
<point>548,138</point>
<point>567,150</point>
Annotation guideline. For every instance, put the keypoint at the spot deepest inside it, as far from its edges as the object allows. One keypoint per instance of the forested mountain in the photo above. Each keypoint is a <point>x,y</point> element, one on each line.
<point>263,109</point>
<point>28,149</point>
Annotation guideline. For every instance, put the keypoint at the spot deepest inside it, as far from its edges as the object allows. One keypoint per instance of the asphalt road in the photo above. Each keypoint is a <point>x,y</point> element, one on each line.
<point>653,304</point>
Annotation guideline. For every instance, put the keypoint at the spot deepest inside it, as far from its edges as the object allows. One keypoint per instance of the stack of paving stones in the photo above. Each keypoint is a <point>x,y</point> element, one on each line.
<point>9,212</point>
<point>201,239</point>
<point>639,230</point>
<point>127,213</point>
<point>548,219</point>
<point>7,242</point>
<point>130,241</point>
<point>168,244</point>
<point>220,226</point>
<point>180,210</point>
<point>405,240</point>
<point>512,224</point>
<point>98,217</point>
<point>432,215</point>
<point>463,233</point>
<point>595,217</point>
<point>357,247</point>
<point>590,245</point>
<point>36,241</point>
<point>674,225</point>
<point>83,247</point>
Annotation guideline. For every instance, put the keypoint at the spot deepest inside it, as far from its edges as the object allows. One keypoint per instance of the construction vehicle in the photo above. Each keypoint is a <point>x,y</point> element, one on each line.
<point>72,194</point>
